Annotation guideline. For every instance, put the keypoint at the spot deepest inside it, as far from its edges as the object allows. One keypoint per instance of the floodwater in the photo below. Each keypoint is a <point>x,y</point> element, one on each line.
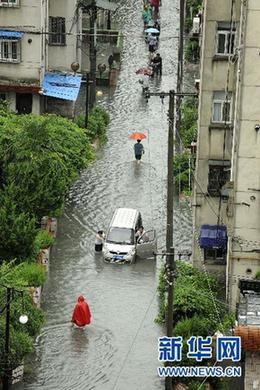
<point>119,350</point>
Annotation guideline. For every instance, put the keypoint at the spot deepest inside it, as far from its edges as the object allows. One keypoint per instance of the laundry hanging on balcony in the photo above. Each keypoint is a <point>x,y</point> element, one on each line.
<point>213,236</point>
<point>61,85</point>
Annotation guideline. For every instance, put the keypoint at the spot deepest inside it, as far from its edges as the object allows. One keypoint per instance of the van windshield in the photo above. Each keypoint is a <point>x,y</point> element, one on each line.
<point>120,236</point>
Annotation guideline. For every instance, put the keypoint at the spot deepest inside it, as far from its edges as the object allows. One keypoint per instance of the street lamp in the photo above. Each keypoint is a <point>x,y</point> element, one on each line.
<point>23,320</point>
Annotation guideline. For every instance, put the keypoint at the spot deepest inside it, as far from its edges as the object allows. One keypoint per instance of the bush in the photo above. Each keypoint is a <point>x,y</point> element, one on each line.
<point>17,229</point>
<point>194,326</point>
<point>97,123</point>
<point>192,51</point>
<point>193,295</point>
<point>27,274</point>
<point>257,275</point>
<point>21,336</point>
<point>182,170</point>
<point>43,240</point>
<point>189,118</point>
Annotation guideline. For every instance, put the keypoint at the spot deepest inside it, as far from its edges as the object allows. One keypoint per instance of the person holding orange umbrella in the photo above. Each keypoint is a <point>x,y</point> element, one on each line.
<point>138,147</point>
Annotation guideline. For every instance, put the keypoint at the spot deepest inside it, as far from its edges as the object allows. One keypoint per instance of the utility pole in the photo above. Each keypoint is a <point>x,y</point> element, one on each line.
<point>109,19</point>
<point>169,228</point>
<point>93,54</point>
<point>170,263</point>
<point>180,66</point>
<point>87,100</point>
<point>7,337</point>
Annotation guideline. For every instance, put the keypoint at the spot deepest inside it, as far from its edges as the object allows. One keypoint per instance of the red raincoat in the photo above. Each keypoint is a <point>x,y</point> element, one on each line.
<point>81,314</point>
<point>155,3</point>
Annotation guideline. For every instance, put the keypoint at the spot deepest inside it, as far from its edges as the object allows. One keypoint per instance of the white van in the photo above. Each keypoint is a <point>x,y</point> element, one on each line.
<point>121,245</point>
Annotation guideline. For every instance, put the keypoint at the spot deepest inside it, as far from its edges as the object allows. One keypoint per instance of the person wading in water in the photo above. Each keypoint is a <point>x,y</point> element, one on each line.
<point>139,150</point>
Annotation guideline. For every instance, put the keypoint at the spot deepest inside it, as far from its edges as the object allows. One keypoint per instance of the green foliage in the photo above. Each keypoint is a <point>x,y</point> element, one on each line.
<point>189,118</point>
<point>194,326</point>
<point>183,162</point>
<point>43,240</point>
<point>17,229</point>
<point>4,109</point>
<point>162,297</point>
<point>27,274</point>
<point>257,275</point>
<point>20,345</point>
<point>97,124</point>
<point>181,170</point>
<point>192,51</point>
<point>41,156</point>
<point>21,336</point>
<point>192,9</point>
<point>194,293</point>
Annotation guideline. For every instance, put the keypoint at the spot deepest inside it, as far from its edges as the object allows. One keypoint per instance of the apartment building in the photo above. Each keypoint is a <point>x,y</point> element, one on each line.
<point>227,179</point>
<point>39,40</point>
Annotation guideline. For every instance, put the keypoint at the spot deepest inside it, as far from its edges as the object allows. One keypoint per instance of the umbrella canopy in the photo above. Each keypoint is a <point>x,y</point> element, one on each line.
<point>144,71</point>
<point>137,136</point>
<point>152,30</point>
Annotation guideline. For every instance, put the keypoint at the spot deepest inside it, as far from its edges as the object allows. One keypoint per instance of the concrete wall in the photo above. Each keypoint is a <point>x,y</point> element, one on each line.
<point>246,169</point>
<point>61,57</point>
<point>215,74</point>
<point>26,17</point>
<point>252,371</point>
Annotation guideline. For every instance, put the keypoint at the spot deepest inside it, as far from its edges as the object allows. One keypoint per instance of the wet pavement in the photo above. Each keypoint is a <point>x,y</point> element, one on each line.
<point>119,349</point>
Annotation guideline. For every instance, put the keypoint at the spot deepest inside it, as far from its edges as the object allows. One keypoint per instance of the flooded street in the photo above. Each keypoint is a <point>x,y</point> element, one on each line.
<point>119,350</point>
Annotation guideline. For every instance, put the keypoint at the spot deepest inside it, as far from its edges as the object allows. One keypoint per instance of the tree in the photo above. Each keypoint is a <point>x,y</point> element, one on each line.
<point>17,229</point>
<point>41,156</point>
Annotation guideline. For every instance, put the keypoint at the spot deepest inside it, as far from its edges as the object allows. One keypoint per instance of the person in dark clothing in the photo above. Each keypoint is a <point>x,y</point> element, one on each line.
<point>157,64</point>
<point>110,60</point>
<point>139,150</point>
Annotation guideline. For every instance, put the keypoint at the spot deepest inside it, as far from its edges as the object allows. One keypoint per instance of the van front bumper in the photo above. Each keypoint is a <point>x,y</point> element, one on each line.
<point>117,258</point>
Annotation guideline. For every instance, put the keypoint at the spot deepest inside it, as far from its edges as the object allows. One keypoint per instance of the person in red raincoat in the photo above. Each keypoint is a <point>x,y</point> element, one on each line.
<point>81,315</point>
<point>155,4</point>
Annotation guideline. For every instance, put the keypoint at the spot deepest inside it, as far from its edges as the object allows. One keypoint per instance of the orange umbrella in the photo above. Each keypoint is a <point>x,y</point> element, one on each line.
<point>137,136</point>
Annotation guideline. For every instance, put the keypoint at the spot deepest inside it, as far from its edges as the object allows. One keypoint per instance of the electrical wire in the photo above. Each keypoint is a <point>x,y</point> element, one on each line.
<point>134,339</point>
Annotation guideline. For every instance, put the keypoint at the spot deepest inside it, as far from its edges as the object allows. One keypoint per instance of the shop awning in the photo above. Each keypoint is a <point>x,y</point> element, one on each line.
<point>61,86</point>
<point>11,34</point>
<point>213,236</point>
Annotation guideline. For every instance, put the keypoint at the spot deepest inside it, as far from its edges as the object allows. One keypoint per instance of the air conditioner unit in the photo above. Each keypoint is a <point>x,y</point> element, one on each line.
<point>196,25</point>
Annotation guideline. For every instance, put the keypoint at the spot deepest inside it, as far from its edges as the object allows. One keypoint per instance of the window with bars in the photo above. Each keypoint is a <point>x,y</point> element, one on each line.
<point>9,3</point>
<point>57,29</point>
<point>219,175</point>
<point>10,50</point>
<point>221,110</point>
<point>214,255</point>
<point>225,39</point>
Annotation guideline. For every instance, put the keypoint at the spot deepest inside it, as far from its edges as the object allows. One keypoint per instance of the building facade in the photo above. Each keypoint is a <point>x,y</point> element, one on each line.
<point>227,179</point>
<point>36,37</point>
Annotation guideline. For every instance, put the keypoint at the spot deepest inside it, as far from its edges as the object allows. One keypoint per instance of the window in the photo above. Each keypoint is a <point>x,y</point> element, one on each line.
<point>9,3</point>
<point>120,236</point>
<point>2,97</point>
<point>58,31</point>
<point>215,255</point>
<point>225,39</point>
<point>9,50</point>
<point>221,111</point>
<point>219,174</point>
